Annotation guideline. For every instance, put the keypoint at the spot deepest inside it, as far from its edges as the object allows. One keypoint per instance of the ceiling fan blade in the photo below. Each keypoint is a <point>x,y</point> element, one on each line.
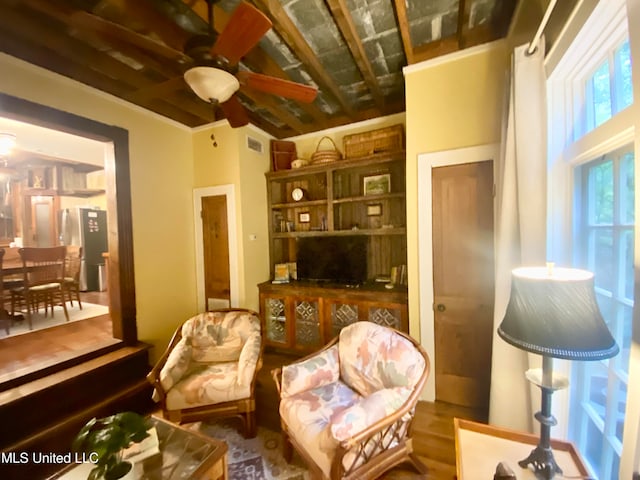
<point>278,86</point>
<point>246,27</point>
<point>234,112</point>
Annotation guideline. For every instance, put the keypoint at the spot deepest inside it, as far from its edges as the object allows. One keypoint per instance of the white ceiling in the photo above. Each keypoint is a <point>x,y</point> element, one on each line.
<point>53,143</point>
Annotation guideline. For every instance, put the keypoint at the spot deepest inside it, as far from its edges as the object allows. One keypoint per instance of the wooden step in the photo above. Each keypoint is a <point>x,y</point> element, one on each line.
<point>45,415</point>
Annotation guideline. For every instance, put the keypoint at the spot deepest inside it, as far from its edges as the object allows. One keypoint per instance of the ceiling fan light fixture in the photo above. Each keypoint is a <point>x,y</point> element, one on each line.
<point>211,84</point>
<point>7,142</point>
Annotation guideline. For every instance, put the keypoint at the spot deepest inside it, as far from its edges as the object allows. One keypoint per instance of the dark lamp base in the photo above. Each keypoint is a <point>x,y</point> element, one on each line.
<point>544,465</point>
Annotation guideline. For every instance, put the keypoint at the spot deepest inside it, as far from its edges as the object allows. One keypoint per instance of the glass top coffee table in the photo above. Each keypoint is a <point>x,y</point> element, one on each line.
<point>184,454</point>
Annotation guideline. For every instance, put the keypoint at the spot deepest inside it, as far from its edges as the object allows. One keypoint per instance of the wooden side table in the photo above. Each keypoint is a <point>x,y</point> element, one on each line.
<point>480,448</point>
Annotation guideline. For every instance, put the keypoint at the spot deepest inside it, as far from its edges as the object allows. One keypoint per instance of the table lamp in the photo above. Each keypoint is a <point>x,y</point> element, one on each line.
<point>553,312</point>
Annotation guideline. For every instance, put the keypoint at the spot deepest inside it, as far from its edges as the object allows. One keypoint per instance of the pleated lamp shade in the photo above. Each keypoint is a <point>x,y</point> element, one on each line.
<point>553,312</point>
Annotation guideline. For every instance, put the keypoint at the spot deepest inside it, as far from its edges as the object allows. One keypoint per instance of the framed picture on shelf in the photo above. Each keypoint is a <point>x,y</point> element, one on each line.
<point>304,217</point>
<point>281,273</point>
<point>374,210</point>
<point>377,184</point>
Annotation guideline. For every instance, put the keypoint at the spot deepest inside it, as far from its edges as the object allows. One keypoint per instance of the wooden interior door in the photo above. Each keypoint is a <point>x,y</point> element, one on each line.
<point>463,279</point>
<point>215,243</point>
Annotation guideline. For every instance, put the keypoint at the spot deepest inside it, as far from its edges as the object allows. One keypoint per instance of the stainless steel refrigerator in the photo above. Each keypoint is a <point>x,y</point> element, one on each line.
<point>87,227</point>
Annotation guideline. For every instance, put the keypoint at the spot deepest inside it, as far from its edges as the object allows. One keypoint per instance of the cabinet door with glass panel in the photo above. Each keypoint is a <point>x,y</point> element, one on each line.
<point>274,314</point>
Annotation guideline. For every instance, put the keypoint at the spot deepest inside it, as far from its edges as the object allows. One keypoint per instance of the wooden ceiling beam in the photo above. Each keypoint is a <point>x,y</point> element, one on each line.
<point>288,31</point>
<point>144,12</point>
<point>405,32</point>
<point>161,89</point>
<point>435,49</point>
<point>464,10</point>
<point>343,19</point>
<point>170,91</point>
<point>67,16</point>
<point>23,48</point>
<point>82,20</point>
<point>72,59</point>
<point>18,23</point>
<point>270,128</point>
<point>270,104</point>
<point>104,64</point>
<point>177,113</point>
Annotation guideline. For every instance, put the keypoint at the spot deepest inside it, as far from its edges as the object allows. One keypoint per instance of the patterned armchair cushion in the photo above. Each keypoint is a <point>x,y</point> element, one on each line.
<point>309,415</point>
<point>373,358</point>
<point>248,361</point>
<point>368,411</point>
<point>207,385</point>
<point>211,338</point>
<point>317,371</point>
<point>219,336</point>
<point>176,365</point>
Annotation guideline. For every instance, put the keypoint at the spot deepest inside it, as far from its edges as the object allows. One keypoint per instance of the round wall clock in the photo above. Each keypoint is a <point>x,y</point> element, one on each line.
<point>297,194</point>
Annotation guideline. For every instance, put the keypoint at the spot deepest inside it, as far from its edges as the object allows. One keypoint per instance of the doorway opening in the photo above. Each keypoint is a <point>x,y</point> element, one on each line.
<point>118,327</point>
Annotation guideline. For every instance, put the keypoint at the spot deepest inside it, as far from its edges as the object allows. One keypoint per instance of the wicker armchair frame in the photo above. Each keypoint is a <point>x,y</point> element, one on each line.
<point>244,409</point>
<point>372,444</point>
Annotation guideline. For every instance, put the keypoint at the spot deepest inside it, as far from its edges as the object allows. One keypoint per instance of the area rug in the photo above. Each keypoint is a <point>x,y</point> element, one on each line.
<point>39,321</point>
<point>257,458</point>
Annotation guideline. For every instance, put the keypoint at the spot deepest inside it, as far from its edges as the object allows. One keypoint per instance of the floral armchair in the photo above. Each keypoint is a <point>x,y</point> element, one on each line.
<point>209,368</point>
<point>348,408</point>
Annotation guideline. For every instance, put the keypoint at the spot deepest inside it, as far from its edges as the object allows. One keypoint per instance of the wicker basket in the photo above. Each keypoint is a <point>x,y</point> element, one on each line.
<point>387,139</point>
<point>325,156</point>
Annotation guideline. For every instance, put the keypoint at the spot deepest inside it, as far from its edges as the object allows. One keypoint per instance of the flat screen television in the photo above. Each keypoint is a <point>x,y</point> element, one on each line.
<point>338,259</point>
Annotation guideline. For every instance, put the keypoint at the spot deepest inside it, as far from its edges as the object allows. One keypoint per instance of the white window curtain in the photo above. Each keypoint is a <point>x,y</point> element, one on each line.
<point>520,225</point>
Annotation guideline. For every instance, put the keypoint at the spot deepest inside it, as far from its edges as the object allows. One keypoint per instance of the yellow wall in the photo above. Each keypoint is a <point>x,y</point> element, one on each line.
<point>453,102</point>
<point>232,163</point>
<point>254,224</point>
<point>161,168</point>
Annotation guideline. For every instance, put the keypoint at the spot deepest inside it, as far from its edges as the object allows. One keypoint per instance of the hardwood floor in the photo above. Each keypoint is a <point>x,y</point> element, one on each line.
<point>433,434</point>
<point>24,354</point>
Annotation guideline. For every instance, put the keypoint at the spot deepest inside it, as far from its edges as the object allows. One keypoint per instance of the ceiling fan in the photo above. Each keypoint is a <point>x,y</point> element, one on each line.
<point>216,78</point>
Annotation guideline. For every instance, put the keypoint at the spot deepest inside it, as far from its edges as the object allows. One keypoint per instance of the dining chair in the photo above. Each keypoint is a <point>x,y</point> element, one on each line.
<point>71,284</point>
<point>43,271</point>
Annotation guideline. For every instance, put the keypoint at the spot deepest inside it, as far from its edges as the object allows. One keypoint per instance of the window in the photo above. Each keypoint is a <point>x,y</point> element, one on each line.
<point>608,89</point>
<point>604,246</point>
<point>592,134</point>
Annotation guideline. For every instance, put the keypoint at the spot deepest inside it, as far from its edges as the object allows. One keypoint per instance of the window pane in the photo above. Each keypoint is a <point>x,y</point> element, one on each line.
<point>626,264</point>
<point>604,261</point>
<point>625,341</point>
<point>594,447</point>
<point>598,379</point>
<point>600,193</point>
<point>601,94</point>
<point>627,187</point>
<point>624,87</point>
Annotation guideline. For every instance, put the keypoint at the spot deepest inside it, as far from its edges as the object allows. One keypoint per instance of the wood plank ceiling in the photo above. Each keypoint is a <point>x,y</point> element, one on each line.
<point>353,51</point>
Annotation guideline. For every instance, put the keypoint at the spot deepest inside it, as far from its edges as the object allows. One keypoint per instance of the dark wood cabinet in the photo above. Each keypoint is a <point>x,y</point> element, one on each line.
<point>302,317</point>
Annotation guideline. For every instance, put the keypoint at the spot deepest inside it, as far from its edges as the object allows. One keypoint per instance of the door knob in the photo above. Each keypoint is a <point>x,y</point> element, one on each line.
<point>441,307</point>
